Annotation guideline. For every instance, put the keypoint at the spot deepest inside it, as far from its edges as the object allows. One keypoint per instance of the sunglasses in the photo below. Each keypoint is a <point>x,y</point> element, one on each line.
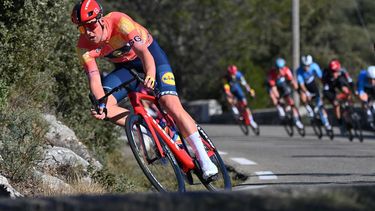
<point>91,26</point>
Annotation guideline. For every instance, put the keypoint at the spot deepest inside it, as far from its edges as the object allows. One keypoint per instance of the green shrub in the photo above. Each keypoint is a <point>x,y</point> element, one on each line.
<point>21,134</point>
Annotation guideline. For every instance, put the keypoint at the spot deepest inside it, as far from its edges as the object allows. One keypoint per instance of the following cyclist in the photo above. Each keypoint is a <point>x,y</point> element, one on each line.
<point>129,45</point>
<point>233,80</point>
<point>308,89</point>
<point>280,79</point>
<point>335,78</point>
<point>366,91</point>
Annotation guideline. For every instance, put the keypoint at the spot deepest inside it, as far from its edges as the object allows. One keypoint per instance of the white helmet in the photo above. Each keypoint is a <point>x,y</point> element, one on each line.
<point>371,72</point>
<point>307,60</point>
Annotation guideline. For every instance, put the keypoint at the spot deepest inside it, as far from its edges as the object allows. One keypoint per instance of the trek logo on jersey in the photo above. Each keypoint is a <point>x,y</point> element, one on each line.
<point>168,78</point>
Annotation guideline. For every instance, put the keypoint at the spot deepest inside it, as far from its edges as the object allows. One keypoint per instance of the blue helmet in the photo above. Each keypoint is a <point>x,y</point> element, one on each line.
<point>280,63</point>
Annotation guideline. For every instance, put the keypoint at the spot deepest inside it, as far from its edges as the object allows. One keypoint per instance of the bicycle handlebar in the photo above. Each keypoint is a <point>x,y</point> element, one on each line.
<point>103,99</point>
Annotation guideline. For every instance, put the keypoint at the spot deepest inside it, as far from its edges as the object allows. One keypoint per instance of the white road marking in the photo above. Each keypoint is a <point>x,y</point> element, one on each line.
<point>266,175</point>
<point>244,161</point>
<point>244,188</point>
<point>223,153</point>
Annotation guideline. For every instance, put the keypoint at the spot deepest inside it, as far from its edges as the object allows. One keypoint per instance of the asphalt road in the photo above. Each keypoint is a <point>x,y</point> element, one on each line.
<point>274,159</point>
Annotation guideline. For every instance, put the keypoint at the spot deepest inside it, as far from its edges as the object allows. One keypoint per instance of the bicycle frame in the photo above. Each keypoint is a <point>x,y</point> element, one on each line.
<point>156,131</point>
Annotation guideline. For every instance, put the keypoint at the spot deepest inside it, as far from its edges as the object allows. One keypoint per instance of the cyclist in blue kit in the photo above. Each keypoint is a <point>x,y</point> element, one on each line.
<point>233,81</point>
<point>308,89</point>
<point>366,91</point>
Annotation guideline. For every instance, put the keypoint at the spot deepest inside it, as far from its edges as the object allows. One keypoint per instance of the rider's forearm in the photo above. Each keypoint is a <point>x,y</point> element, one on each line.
<point>96,85</point>
<point>275,92</point>
<point>147,60</point>
<point>303,88</point>
<point>295,85</point>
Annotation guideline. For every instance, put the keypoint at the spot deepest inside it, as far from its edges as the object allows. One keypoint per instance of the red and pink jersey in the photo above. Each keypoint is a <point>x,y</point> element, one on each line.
<point>276,76</point>
<point>123,31</point>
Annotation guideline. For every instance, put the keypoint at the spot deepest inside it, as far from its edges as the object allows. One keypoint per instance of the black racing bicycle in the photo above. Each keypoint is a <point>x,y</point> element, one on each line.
<point>289,122</point>
<point>317,124</point>
<point>352,120</point>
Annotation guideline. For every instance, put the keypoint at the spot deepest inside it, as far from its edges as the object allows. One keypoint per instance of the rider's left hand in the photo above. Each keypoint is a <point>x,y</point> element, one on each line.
<point>149,82</point>
<point>252,92</point>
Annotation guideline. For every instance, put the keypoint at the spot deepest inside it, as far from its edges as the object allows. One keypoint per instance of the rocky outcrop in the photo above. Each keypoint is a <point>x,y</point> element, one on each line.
<point>6,190</point>
<point>59,156</point>
<point>64,155</point>
<point>62,136</point>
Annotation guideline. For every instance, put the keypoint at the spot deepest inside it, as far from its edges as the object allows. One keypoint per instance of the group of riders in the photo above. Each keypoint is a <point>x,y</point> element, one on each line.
<point>337,87</point>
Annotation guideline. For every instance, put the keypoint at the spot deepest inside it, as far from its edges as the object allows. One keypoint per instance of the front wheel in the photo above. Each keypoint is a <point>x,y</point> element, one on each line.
<point>241,122</point>
<point>222,181</point>
<point>287,122</point>
<point>330,134</point>
<point>357,127</point>
<point>317,127</point>
<point>256,130</point>
<point>160,168</point>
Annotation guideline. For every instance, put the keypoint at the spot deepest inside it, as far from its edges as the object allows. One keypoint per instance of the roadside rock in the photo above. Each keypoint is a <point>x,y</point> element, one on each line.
<point>62,136</point>
<point>6,190</point>
<point>58,156</point>
<point>53,183</point>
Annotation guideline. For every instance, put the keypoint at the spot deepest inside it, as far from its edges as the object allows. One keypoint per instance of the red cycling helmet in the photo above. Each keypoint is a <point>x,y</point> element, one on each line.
<point>86,10</point>
<point>232,69</point>
<point>334,65</point>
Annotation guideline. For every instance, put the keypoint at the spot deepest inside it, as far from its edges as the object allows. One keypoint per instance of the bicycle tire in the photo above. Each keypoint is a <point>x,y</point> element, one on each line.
<point>301,131</point>
<point>330,134</point>
<point>244,128</point>
<point>223,181</point>
<point>288,125</point>
<point>357,127</point>
<point>317,127</point>
<point>163,172</point>
<point>256,130</point>
<point>350,133</point>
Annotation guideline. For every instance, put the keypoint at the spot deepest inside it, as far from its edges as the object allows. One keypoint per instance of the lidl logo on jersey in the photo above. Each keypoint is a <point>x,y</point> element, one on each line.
<point>168,78</point>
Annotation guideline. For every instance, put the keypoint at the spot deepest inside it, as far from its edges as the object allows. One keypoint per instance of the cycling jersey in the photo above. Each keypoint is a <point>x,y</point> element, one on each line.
<point>123,34</point>
<point>280,79</point>
<point>308,76</point>
<point>330,84</point>
<point>363,82</point>
<point>233,85</point>
<point>276,77</point>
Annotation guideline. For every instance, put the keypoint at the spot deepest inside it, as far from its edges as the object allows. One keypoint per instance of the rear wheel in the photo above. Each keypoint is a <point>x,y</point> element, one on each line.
<point>222,180</point>
<point>162,171</point>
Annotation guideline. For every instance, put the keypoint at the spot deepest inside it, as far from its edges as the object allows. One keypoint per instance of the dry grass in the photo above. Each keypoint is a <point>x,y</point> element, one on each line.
<point>75,187</point>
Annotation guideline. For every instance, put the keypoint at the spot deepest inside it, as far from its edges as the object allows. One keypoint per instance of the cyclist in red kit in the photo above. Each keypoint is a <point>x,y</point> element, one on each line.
<point>129,45</point>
